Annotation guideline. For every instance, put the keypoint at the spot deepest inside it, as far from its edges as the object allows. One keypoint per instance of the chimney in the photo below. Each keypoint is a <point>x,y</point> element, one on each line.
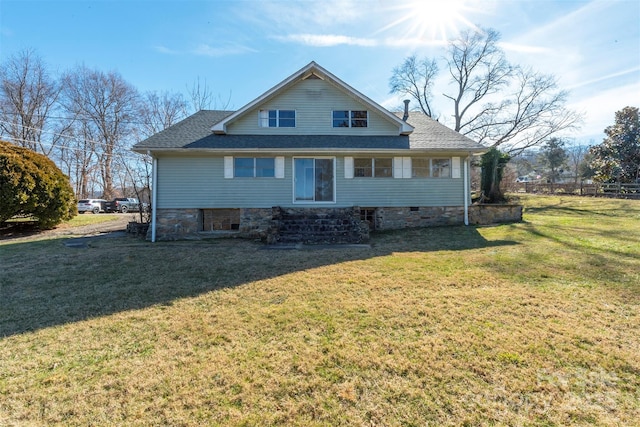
<point>406,110</point>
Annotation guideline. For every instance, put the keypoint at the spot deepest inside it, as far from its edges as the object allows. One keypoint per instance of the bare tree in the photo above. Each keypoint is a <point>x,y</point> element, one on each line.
<point>158,111</point>
<point>532,111</point>
<point>108,105</point>
<point>28,95</point>
<point>78,154</point>
<point>202,98</point>
<point>415,78</point>
<point>494,102</point>
<point>577,157</point>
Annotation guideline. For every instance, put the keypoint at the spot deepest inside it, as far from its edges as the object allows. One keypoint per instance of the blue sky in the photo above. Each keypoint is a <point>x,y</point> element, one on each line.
<point>244,47</point>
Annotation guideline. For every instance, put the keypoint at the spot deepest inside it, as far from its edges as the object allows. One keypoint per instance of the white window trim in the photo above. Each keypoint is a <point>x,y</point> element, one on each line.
<point>261,119</point>
<point>229,167</point>
<point>373,167</point>
<point>452,166</point>
<point>293,181</point>
<point>349,119</point>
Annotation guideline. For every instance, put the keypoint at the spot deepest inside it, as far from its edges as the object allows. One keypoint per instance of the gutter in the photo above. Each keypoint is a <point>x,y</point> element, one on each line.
<point>466,184</point>
<point>154,206</point>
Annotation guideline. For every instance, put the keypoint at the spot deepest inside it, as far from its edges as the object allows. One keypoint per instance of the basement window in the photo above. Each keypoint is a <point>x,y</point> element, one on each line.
<point>369,214</point>
<point>220,219</point>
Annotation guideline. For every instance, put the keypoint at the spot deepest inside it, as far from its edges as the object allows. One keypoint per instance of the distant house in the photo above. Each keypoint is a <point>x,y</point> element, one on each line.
<point>311,156</point>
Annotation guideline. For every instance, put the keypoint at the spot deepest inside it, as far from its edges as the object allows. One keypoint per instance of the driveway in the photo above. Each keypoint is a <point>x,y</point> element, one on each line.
<point>118,224</point>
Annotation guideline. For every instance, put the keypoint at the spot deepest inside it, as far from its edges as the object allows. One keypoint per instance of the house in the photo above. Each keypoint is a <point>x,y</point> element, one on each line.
<point>310,157</point>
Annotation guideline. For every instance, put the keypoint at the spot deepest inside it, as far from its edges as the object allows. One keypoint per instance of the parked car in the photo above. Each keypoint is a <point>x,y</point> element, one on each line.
<point>523,179</point>
<point>92,205</point>
<point>124,205</point>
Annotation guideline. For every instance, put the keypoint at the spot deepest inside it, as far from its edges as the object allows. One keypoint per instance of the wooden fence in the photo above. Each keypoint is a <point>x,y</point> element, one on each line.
<point>631,191</point>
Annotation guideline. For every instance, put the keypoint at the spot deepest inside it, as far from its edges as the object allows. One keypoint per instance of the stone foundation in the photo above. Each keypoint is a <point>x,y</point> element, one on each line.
<point>418,216</point>
<point>326,225</point>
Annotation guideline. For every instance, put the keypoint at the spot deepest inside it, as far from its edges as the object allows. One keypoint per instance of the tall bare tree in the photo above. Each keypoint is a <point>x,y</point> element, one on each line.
<point>158,111</point>
<point>108,106</point>
<point>28,96</point>
<point>415,78</point>
<point>202,98</point>
<point>493,102</point>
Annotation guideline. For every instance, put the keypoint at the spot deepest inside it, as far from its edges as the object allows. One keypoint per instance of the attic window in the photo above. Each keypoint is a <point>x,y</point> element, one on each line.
<point>350,118</point>
<point>277,118</point>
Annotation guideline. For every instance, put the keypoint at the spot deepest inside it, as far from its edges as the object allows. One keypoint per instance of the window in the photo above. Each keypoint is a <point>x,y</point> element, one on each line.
<point>352,119</point>
<point>420,168</point>
<point>441,168</point>
<point>373,167</point>
<point>314,180</point>
<point>430,168</point>
<point>278,118</point>
<point>254,167</point>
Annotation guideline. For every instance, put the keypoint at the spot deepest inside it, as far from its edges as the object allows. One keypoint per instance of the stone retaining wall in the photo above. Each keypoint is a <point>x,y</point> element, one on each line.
<point>494,214</point>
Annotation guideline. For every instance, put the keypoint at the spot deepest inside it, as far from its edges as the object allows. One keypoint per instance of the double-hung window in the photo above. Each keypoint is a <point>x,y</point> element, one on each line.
<point>377,167</point>
<point>430,168</point>
<point>441,168</point>
<point>350,119</point>
<point>254,167</point>
<point>277,118</point>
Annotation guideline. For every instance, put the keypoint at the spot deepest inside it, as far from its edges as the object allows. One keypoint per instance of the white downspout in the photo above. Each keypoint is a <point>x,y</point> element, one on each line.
<point>467,184</point>
<point>154,206</point>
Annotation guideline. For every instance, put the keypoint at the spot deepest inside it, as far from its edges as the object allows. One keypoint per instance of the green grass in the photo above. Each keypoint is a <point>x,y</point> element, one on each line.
<point>89,218</point>
<point>536,323</point>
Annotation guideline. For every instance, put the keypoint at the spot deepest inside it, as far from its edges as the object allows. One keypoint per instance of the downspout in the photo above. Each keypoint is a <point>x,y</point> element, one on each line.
<point>154,206</point>
<point>467,184</point>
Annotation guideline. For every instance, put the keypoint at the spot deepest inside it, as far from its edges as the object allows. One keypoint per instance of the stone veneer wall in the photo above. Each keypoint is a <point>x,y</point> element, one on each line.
<point>494,214</point>
<point>419,216</point>
<point>178,224</point>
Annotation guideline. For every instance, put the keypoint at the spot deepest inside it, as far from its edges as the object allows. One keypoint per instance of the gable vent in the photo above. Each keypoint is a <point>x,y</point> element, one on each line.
<point>312,76</point>
<point>314,94</point>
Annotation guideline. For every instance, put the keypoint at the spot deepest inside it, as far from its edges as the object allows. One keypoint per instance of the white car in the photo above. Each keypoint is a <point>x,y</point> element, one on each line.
<point>91,205</point>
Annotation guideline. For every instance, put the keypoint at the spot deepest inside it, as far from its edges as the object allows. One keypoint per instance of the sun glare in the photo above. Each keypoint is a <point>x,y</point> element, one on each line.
<point>430,21</point>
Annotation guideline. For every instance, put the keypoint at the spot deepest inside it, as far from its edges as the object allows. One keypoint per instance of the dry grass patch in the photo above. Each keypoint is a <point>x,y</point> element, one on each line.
<point>526,324</point>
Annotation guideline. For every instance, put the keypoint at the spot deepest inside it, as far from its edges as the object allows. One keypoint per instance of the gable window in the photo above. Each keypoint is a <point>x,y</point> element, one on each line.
<point>314,179</point>
<point>278,118</point>
<point>430,168</point>
<point>254,167</point>
<point>350,118</point>
<point>373,167</point>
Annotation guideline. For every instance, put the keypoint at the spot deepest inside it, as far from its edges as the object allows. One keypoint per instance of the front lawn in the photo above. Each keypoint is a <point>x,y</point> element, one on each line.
<point>536,323</point>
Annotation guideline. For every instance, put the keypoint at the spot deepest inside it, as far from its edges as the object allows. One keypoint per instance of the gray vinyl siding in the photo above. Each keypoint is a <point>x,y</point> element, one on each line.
<point>199,183</point>
<point>314,101</point>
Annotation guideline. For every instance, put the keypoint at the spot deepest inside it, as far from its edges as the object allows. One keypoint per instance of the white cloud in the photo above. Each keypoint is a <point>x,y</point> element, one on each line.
<point>327,40</point>
<point>600,108</point>
<point>216,51</point>
<point>165,50</point>
<point>523,48</point>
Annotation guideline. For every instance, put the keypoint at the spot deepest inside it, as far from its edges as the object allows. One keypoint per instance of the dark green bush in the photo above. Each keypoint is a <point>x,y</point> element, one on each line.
<point>31,185</point>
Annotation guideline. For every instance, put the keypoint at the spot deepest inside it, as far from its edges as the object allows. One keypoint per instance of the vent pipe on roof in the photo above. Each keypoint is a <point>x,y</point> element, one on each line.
<point>406,110</point>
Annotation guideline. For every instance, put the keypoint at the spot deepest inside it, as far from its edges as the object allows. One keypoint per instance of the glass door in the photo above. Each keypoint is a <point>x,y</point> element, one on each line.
<point>314,179</point>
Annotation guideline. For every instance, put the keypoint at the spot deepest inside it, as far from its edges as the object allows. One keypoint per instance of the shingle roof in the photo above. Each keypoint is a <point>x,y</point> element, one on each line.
<point>194,132</point>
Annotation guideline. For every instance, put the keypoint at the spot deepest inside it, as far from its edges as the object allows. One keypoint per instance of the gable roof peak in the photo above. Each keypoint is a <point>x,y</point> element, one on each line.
<point>309,70</point>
